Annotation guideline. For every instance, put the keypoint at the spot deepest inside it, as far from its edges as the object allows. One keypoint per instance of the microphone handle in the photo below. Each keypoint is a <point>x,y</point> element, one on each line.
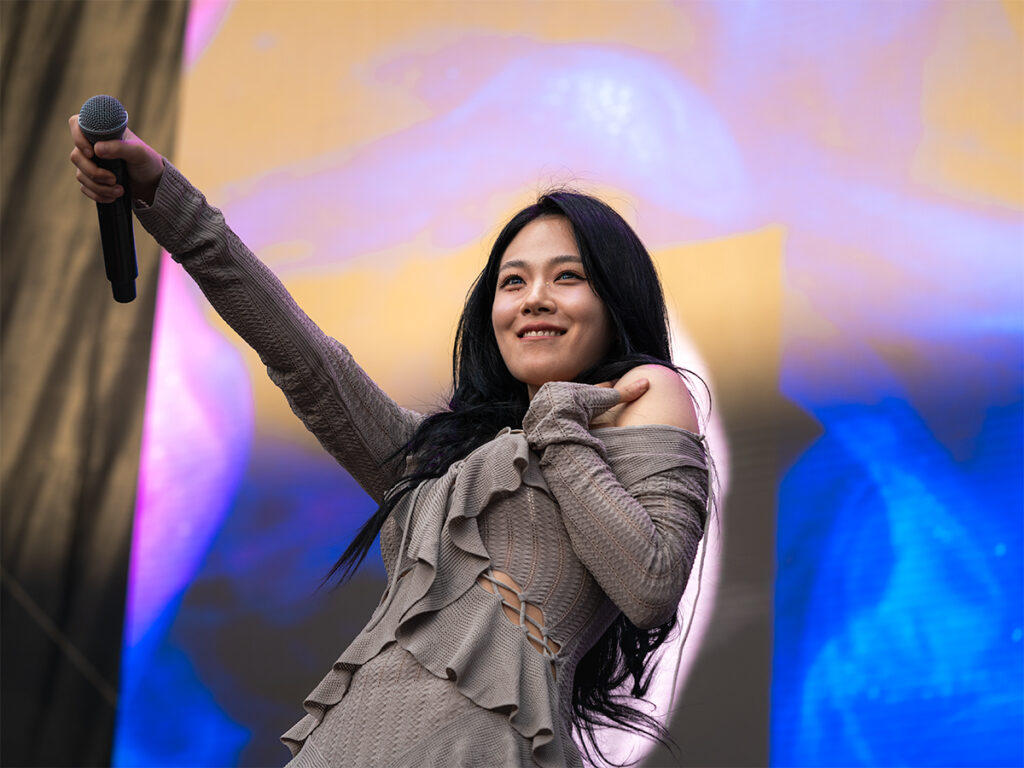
<point>117,236</point>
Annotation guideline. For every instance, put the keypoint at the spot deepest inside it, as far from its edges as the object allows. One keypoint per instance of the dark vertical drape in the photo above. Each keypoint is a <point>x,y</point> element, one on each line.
<point>74,367</point>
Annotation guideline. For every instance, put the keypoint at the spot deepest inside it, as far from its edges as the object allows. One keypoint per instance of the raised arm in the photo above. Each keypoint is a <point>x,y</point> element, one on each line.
<point>351,417</point>
<point>633,498</point>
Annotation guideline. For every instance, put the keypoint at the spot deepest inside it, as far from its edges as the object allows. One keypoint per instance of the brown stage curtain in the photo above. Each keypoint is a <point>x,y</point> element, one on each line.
<point>74,366</point>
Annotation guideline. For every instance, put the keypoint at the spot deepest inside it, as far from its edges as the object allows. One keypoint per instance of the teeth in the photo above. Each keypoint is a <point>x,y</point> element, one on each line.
<point>543,333</point>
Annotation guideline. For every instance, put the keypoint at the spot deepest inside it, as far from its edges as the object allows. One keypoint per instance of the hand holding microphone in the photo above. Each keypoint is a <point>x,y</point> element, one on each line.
<point>114,165</point>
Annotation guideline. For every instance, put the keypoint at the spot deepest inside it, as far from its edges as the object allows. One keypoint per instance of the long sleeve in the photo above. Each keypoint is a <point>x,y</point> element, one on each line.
<point>633,500</point>
<point>352,418</point>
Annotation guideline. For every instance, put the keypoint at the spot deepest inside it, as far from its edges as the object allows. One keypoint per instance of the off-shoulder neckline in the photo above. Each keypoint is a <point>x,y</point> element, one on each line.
<point>645,427</point>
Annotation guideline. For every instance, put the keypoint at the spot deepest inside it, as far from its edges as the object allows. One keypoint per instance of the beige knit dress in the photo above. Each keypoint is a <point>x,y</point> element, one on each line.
<point>501,574</point>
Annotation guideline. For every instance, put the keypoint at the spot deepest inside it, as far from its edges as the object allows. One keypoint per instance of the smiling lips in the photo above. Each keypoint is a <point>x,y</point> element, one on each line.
<point>538,331</point>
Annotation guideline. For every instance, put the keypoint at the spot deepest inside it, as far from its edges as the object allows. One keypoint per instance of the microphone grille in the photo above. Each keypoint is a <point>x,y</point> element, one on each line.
<point>102,118</point>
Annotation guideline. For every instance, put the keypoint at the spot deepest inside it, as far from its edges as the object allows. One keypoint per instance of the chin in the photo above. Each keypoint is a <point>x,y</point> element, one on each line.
<point>538,381</point>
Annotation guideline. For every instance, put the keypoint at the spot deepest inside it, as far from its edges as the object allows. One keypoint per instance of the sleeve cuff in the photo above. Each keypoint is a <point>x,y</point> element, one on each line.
<point>561,412</point>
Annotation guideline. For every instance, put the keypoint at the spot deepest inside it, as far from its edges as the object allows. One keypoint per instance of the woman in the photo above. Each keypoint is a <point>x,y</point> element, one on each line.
<point>538,535</point>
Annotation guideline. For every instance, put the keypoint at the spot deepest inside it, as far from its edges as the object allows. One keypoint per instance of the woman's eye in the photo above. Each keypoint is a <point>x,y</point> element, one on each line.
<point>510,281</point>
<point>570,275</point>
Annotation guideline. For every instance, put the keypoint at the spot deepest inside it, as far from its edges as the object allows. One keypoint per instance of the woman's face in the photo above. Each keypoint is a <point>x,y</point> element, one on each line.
<point>548,322</point>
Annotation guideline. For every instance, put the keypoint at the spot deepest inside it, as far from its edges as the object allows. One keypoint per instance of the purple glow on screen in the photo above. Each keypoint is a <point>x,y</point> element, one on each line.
<point>204,19</point>
<point>195,443</point>
<point>623,118</point>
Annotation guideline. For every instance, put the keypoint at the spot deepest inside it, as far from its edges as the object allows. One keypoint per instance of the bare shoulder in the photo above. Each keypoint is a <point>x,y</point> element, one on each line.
<point>667,401</point>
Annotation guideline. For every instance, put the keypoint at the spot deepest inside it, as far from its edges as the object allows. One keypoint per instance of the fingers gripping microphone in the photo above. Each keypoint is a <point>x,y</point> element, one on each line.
<point>102,119</point>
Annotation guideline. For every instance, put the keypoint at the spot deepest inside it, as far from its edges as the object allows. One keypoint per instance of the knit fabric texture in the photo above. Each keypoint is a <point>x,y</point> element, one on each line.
<point>502,573</point>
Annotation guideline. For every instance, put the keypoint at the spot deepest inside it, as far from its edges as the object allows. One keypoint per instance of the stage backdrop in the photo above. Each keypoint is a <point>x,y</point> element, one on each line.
<point>74,369</point>
<point>832,192</point>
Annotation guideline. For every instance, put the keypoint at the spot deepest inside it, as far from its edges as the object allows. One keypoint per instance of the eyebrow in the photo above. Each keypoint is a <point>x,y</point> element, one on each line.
<point>519,264</point>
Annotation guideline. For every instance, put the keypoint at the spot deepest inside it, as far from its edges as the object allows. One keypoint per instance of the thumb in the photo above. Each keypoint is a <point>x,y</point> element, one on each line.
<point>130,149</point>
<point>633,390</point>
<point>109,149</point>
<point>143,163</point>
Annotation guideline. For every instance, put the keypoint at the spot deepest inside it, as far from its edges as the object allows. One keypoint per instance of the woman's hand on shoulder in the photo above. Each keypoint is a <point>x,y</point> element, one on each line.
<point>651,394</point>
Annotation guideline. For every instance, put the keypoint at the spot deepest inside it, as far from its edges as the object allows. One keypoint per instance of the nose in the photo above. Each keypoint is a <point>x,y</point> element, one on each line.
<point>538,300</point>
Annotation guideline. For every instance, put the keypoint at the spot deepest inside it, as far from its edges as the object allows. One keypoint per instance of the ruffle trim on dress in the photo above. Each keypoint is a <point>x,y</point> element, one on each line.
<point>452,626</point>
<point>493,665</point>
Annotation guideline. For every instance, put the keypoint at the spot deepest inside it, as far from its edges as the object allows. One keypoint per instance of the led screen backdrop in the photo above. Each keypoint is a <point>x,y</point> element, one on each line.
<point>832,192</point>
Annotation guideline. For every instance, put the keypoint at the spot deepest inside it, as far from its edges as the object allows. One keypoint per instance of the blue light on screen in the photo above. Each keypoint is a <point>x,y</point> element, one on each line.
<point>898,596</point>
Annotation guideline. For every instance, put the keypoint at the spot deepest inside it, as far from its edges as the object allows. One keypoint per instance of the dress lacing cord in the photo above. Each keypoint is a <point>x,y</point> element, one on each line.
<point>535,630</point>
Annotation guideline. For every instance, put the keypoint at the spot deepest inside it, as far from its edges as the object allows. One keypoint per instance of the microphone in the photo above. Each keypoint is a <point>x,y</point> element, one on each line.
<point>102,118</point>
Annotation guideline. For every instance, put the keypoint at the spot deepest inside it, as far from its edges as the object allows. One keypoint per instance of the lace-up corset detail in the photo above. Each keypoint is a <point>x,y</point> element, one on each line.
<point>538,578</point>
<point>520,610</point>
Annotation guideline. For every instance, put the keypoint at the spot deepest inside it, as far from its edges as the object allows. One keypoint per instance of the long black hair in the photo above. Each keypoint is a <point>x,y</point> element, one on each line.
<point>486,398</point>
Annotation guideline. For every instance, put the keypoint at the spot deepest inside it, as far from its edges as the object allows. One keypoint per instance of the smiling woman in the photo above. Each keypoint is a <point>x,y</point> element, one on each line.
<point>549,323</point>
<point>538,533</point>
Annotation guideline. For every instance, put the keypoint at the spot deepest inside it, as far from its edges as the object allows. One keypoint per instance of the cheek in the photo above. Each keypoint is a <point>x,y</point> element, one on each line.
<point>499,323</point>
<point>496,317</point>
<point>603,337</point>
<point>503,313</point>
<point>599,322</point>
